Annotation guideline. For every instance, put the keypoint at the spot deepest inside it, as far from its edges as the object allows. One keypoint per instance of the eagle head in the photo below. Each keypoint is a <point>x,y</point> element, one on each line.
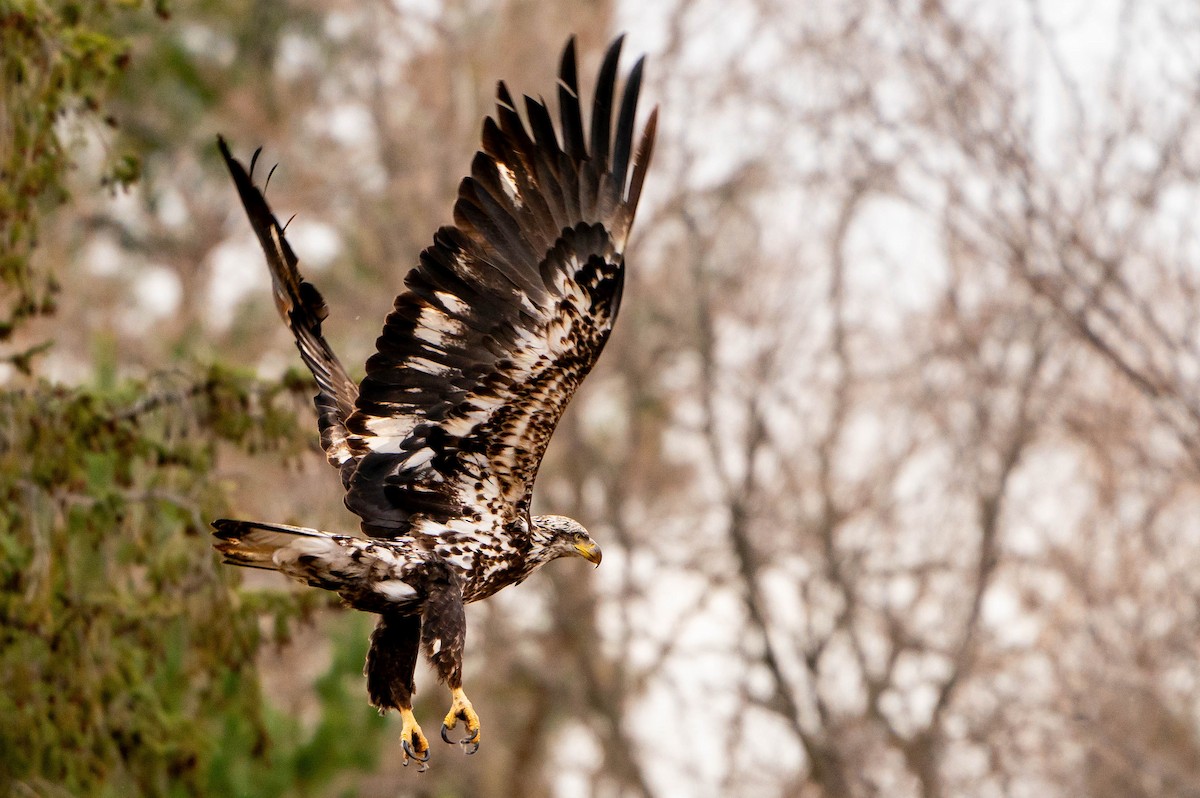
<point>559,536</point>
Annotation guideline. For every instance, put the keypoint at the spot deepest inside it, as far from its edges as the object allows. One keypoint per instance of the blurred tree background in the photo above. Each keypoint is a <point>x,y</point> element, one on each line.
<point>128,660</point>
<point>894,454</point>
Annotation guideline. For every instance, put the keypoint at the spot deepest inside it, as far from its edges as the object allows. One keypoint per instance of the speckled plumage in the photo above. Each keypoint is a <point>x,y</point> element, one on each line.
<point>439,445</point>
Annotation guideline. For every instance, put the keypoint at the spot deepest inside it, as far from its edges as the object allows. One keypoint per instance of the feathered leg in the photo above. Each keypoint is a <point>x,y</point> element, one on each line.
<point>391,661</point>
<point>443,635</point>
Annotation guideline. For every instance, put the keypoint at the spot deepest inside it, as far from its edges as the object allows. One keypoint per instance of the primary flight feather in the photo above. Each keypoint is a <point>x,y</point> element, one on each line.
<point>439,445</point>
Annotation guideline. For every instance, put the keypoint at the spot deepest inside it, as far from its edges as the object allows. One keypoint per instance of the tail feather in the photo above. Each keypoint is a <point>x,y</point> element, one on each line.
<point>303,309</point>
<point>253,544</point>
<point>334,562</point>
<point>367,574</point>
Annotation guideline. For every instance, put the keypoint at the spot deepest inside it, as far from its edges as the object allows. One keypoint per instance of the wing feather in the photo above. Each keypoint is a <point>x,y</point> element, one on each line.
<point>569,112</point>
<point>303,309</point>
<point>501,320</point>
<point>602,109</point>
<point>624,140</point>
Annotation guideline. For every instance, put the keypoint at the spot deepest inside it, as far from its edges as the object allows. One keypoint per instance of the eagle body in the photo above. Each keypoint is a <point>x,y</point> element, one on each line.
<point>439,444</point>
<point>389,575</point>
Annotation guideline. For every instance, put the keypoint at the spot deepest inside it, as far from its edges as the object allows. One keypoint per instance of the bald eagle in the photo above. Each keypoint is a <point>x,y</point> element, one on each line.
<point>439,445</point>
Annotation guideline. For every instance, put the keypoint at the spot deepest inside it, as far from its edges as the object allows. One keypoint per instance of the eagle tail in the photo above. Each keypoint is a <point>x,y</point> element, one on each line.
<point>303,309</point>
<point>317,557</point>
<point>340,563</point>
<point>255,544</point>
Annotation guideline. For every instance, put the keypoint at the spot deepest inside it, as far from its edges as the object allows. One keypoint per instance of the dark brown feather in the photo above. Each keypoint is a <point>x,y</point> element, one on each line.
<point>504,316</point>
<point>302,308</point>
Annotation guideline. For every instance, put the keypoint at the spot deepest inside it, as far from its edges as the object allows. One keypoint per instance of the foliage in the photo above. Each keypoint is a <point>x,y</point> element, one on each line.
<point>347,736</point>
<point>126,656</point>
<point>118,636</point>
<point>58,62</point>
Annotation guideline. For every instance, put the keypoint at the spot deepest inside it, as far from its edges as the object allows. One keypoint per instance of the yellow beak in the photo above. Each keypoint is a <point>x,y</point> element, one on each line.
<point>590,552</point>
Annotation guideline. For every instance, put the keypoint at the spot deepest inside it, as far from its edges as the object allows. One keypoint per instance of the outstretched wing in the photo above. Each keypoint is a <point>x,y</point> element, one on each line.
<point>505,315</point>
<point>303,309</point>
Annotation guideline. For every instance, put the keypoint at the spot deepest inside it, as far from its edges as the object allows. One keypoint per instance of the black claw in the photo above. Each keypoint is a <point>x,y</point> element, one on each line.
<point>470,744</point>
<point>408,749</point>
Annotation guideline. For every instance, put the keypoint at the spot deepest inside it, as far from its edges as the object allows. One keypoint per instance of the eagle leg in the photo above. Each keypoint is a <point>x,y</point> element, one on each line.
<point>461,709</point>
<point>391,660</point>
<point>443,635</point>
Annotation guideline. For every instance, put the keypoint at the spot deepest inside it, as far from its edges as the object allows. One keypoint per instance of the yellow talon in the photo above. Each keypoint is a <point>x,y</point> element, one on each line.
<point>413,741</point>
<point>461,709</point>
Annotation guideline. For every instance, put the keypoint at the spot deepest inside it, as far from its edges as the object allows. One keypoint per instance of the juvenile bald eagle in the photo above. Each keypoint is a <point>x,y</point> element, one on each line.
<point>439,445</point>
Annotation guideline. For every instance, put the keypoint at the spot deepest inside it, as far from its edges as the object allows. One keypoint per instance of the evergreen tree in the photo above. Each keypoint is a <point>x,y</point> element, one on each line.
<point>127,654</point>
